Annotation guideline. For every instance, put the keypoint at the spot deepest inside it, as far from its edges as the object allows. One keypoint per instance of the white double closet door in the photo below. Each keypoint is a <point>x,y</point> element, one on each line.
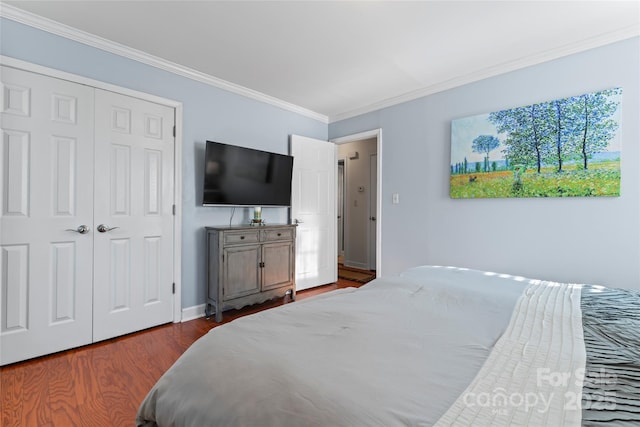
<point>87,226</point>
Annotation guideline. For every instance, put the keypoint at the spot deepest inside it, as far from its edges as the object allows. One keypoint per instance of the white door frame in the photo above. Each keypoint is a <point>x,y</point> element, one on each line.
<point>177,167</point>
<point>377,134</point>
<point>341,203</point>
<point>373,166</point>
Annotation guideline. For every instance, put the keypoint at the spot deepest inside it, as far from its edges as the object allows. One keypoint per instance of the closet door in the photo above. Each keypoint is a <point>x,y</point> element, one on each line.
<point>46,228</point>
<point>134,240</point>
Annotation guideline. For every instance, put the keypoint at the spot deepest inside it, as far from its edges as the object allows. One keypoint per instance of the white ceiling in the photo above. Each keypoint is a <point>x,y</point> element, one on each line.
<point>341,58</point>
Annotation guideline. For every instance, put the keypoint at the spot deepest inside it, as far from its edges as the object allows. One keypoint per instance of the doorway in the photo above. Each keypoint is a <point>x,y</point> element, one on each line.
<point>357,202</point>
<point>317,235</point>
<point>340,201</point>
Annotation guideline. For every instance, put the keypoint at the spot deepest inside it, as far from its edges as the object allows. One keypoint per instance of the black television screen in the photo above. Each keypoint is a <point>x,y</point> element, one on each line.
<point>242,176</point>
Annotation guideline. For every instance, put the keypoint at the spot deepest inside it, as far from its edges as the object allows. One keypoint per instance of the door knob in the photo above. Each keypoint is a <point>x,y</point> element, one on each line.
<point>103,228</point>
<point>82,229</point>
<point>373,218</point>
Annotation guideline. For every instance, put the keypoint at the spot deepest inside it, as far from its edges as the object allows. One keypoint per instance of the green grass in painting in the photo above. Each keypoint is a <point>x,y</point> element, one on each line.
<point>601,179</point>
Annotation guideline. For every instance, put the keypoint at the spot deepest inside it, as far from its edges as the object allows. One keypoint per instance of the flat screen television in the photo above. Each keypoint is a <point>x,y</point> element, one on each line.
<point>239,176</point>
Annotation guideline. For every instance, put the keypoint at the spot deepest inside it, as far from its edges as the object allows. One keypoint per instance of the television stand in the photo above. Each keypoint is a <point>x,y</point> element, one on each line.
<point>249,265</point>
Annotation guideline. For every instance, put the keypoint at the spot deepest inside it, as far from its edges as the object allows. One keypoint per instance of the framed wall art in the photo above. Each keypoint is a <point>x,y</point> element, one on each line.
<point>567,147</point>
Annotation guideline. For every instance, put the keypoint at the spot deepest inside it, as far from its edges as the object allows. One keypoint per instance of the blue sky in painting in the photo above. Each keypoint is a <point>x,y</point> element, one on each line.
<point>465,130</point>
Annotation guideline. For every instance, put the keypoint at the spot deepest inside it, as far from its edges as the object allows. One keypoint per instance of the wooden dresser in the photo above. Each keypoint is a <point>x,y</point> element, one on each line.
<point>248,265</point>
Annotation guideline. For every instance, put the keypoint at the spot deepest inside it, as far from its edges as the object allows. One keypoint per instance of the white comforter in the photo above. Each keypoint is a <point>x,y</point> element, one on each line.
<point>397,351</point>
<point>534,374</point>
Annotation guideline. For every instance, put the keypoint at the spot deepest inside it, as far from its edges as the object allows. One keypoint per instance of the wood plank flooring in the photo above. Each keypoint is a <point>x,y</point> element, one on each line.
<point>103,384</point>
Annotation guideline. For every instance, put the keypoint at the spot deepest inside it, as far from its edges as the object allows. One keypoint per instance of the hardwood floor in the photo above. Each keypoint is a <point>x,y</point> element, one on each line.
<point>103,384</point>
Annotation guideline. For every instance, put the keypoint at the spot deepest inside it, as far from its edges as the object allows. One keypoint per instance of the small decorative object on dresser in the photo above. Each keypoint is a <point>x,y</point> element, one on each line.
<point>257,216</point>
<point>248,265</point>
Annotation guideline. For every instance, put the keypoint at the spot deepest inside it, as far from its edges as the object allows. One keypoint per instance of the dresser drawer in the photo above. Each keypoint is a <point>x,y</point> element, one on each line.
<point>277,234</point>
<point>238,237</point>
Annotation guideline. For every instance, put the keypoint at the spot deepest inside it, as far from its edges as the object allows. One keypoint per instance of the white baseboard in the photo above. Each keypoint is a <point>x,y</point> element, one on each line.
<point>354,264</point>
<point>194,312</point>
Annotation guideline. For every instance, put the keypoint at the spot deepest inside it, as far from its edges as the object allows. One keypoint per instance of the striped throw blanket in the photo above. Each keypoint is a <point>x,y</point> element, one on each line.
<point>611,323</point>
<point>570,356</point>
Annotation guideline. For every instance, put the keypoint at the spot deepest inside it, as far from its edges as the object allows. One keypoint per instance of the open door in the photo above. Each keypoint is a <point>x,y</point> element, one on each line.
<point>313,208</point>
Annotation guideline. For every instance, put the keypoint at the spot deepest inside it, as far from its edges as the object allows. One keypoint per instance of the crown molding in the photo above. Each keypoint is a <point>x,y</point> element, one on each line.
<point>62,30</point>
<point>56,28</point>
<point>506,67</point>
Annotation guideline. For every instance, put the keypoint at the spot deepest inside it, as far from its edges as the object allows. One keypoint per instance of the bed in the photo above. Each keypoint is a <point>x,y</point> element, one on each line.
<point>432,346</point>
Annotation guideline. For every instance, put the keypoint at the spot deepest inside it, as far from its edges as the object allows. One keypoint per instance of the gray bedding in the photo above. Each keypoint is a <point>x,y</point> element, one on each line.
<point>396,352</point>
<point>611,324</point>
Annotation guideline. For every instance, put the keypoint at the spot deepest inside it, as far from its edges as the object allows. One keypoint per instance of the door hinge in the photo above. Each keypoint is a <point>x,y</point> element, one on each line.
<point>173,288</point>
<point>173,209</point>
<point>174,131</point>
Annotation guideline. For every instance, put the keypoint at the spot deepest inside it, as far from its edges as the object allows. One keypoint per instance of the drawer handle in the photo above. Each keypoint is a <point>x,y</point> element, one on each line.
<point>241,237</point>
<point>279,234</point>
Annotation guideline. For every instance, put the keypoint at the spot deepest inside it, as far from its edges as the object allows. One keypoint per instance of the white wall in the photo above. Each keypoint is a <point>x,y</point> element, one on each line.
<point>595,240</point>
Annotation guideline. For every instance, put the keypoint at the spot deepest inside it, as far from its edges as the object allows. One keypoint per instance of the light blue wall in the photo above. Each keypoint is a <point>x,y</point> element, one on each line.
<point>593,240</point>
<point>209,113</point>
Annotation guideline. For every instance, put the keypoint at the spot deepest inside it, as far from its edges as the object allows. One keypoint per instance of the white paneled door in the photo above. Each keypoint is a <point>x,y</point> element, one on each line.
<point>86,233</point>
<point>47,193</point>
<point>313,207</point>
<point>133,240</point>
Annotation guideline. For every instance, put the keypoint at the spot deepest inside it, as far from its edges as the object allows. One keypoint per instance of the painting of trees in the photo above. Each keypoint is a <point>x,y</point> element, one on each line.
<point>568,147</point>
<point>485,144</point>
<point>595,125</point>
